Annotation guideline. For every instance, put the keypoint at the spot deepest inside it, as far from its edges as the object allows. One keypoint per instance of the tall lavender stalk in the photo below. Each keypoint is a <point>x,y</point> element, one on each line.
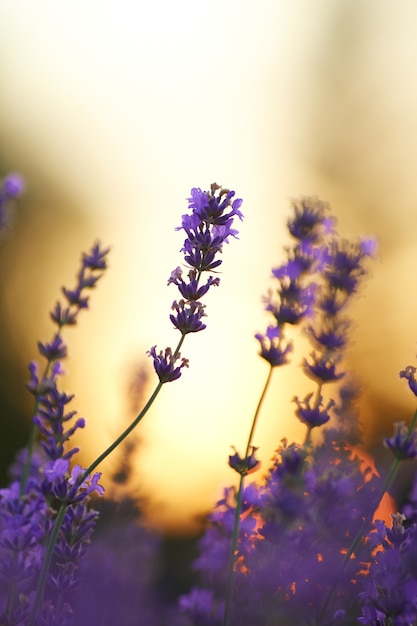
<point>208,227</point>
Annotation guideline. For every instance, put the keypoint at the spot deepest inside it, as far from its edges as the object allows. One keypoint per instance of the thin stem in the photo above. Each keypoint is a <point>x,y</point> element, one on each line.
<point>61,513</point>
<point>232,556</point>
<point>40,589</point>
<point>258,410</point>
<point>131,427</point>
<point>238,510</point>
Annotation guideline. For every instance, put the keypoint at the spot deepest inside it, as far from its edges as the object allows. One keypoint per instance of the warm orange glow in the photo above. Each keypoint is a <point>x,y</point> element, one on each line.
<point>130,106</point>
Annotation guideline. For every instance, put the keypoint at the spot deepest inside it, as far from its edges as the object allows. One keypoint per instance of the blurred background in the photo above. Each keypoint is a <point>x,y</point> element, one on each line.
<point>112,111</point>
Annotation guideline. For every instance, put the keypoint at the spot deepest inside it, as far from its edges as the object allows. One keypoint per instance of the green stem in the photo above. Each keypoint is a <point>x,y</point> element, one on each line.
<point>238,510</point>
<point>232,556</point>
<point>61,513</point>
<point>258,410</point>
<point>123,436</point>
<point>40,589</point>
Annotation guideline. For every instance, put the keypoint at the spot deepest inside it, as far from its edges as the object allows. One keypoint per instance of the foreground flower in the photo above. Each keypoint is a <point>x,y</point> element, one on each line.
<point>208,227</point>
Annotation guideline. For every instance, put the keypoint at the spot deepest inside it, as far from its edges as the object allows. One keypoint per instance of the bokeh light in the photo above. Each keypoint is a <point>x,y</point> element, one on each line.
<point>113,111</point>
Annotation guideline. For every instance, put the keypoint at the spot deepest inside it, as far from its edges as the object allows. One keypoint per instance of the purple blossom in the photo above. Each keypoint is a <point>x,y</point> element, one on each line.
<point>11,188</point>
<point>53,351</point>
<point>403,444</point>
<point>209,226</point>
<point>165,364</point>
<point>211,208</point>
<point>85,487</point>
<point>322,368</point>
<point>273,349</point>
<point>344,263</point>
<point>409,373</point>
<point>188,316</point>
<point>191,290</point>
<point>311,222</point>
<point>244,466</point>
<point>315,415</point>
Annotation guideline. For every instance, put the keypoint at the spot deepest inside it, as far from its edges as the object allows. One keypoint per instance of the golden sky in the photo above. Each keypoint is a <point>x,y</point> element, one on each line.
<point>123,107</point>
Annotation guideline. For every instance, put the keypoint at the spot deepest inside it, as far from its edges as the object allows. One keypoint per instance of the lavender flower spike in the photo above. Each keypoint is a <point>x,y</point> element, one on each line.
<point>208,227</point>
<point>165,364</point>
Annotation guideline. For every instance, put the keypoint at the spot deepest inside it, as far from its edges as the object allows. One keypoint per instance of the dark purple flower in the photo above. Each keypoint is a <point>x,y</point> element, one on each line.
<point>10,188</point>
<point>311,221</point>
<point>209,226</point>
<point>246,465</point>
<point>53,351</point>
<point>96,259</point>
<point>191,290</point>
<point>188,316</point>
<point>63,316</point>
<point>410,375</point>
<point>82,488</point>
<point>322,369</point>
<point>313,416</point>
<point>344,263</point>
<point>165,364</point>
<point>403,444</point>
<point>293,302</point>
<point>211,207</point>
<point>273,349</point>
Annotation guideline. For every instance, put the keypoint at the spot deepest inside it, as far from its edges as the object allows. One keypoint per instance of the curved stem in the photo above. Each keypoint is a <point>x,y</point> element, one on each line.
<point>231,565</point>
<point>40,589</point>
<point>123,436</point>
<point>258,410</point>
<point>238,510</point>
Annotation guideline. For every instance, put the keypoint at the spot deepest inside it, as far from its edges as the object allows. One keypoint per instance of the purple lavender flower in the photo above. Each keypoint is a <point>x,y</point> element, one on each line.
<point>409,373</point>
<point>390,589</point>
<point>403,444</point>
<point>208,227</point>
<point>188,317</point>
<point>295,294</point>
<point>165,364</point>
<point>315,415</point>
<point>342,267</point>
<point>93,264</point>
<point>244,466</point>
<point>11,188</point>
<point>273,349</point>
<point>295,528</point>
<point>310,222</point>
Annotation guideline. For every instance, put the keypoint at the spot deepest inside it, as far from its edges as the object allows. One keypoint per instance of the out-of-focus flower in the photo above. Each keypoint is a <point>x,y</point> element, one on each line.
<point>403,443</point>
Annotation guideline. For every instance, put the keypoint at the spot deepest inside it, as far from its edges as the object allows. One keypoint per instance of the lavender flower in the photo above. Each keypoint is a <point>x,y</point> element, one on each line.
<point>11,187</point>
<point>403,444</point>
<point>390,588</point>
<point>292,302</point>
<point>208,227</point>
<point>409,373</point>
<point>165,364</point>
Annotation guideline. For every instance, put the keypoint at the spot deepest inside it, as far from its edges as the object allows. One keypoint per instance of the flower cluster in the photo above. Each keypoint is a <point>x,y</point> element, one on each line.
<point>295,527</point>
<point>43,482</point>
<point>293,298</point>
<point>304,545</point>
<point>208,227</point>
